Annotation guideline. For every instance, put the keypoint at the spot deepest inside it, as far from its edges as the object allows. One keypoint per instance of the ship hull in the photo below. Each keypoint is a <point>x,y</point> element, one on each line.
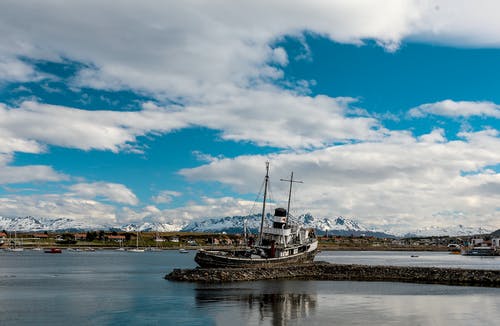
<point>226,259</point>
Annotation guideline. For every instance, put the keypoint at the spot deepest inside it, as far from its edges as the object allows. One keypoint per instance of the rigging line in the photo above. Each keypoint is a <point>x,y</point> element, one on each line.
<point>257,198</point>
<point>271,201</point>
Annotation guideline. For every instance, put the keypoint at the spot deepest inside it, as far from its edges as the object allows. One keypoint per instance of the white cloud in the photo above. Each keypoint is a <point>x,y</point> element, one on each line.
<point>129,215</point>
<point>283,119</point>
<point>54,205</point>
<point>207,207</point>
<point>218,61</point>
<point>165,196</point>
<point>27,173</point>
<point>14,70</point>
<point>454,109</point>
<point>83,129</point>
<point>191,49</point>
<point>214,59</point>
<point>404,180</point>
<point>114,192</point>
<point>266,117</point>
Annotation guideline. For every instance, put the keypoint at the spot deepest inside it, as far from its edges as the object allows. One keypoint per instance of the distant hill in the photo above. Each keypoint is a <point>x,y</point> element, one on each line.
<point>232,224</point>
<point>331,225</point>
<point>229,224</point>
<point>458,230</point>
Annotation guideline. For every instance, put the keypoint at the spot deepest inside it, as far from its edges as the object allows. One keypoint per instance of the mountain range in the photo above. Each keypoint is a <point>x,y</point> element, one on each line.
<point>230,224</point>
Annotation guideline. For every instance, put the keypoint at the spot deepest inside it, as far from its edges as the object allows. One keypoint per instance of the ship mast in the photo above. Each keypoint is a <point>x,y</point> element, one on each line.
<point>266,181</point>
<point>289,194</point>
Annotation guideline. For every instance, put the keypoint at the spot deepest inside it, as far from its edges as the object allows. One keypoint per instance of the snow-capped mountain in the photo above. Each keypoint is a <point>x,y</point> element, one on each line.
<point>30,223</point>
<point>229,224</point>
<point>233,224</point>
<point>149,227</point>
<point>459,230</point>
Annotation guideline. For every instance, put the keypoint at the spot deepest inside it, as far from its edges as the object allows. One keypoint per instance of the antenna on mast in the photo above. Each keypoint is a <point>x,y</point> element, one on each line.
<point>290,193</point>
<point>266,181</point>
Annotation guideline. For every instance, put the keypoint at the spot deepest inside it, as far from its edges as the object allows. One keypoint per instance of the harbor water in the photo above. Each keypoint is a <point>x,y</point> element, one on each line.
<point>109,287</point>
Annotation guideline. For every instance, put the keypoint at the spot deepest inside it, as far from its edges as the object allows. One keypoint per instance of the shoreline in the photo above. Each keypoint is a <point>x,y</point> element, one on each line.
<point>323,271</point>
<point>321,248</point>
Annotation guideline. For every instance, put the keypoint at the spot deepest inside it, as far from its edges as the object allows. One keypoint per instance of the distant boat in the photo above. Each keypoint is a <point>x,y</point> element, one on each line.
<point>454,249</point>
<point>282,243</point>
<point>18,249</point>
<point>53,251</point>
<point>136,249</point>
<point>183,251</point>
<point>13,245</point>
<point>481,251</point>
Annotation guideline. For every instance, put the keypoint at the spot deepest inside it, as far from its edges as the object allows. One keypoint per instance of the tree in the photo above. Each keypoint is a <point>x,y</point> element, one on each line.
<point>91,236</point>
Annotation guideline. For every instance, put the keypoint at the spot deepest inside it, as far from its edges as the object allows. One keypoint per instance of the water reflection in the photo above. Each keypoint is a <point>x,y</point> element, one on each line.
<point>271,307</point>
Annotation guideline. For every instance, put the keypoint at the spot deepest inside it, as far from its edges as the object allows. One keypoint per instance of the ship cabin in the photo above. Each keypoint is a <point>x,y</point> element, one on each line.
<point>282,234</point>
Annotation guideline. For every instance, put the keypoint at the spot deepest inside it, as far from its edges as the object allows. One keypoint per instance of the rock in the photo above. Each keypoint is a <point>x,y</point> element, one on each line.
<point>327,271</point>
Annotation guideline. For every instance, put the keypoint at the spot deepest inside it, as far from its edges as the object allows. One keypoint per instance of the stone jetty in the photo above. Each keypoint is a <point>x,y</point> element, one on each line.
<point>336,272</point>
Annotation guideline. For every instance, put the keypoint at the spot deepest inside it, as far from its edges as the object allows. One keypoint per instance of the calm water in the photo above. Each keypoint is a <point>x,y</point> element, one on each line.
<point>120,288</point>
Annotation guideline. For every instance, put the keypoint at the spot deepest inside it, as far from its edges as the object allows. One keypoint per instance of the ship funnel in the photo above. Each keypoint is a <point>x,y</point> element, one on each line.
<point>280,212</point>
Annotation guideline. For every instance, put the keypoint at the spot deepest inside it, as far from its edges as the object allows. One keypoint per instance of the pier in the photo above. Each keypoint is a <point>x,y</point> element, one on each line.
<point>336,272</point>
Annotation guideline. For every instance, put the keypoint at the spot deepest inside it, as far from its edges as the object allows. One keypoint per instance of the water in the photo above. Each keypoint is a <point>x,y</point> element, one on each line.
<point>117,288</point>
<point>410,258</point>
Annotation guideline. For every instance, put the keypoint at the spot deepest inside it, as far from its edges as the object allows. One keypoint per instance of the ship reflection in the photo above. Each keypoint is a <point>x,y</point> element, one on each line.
<point>273,308</point>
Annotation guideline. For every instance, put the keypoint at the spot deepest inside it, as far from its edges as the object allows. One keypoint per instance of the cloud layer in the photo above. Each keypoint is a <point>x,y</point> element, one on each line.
<point>220,63</point>
<point>401,181</point>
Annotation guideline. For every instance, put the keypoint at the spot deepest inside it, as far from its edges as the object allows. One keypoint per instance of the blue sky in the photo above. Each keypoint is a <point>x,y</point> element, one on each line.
<point>167,112</point>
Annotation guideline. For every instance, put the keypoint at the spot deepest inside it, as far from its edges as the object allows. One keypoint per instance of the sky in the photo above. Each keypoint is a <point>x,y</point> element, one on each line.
<point>166,111</point>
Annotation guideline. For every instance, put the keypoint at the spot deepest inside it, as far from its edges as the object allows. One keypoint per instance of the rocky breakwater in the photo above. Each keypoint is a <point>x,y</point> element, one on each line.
<point>335,272</point>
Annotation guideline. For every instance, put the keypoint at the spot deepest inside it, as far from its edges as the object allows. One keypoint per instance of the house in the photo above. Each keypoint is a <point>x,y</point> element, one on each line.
<point>116,238</point>
<point>80,236</point>
<point>477,242</point>
<point>495,242</point>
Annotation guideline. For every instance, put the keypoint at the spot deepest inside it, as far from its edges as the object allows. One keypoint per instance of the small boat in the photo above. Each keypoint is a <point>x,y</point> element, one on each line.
<point>53,251</point>
<point>281,243</point>
<point>136,249</point>
<point>14,247</point>
<point>481,251</point>
<point>454,249</point>
<point>183,251</point>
